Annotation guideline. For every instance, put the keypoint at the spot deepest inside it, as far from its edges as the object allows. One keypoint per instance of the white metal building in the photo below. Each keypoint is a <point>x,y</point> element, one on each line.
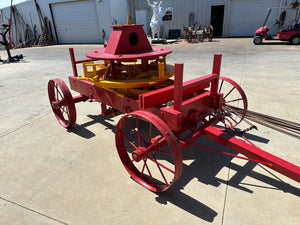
<point>89,21</point>
<point>229,17</point>
<point>72,21</point>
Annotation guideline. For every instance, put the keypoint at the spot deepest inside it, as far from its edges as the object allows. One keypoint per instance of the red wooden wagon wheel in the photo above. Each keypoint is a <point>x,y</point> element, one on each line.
<point>188,35</point>
<point>148,150</point>
<point>210,33</point>
<point>62,102</point>
<point>234,96</point>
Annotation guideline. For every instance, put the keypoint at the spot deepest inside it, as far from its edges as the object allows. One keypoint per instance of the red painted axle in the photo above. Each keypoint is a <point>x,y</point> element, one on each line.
<point>154,145</point>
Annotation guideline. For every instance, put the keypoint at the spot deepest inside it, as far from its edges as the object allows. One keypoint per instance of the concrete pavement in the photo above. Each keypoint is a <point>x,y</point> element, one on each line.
<point>50,175</point>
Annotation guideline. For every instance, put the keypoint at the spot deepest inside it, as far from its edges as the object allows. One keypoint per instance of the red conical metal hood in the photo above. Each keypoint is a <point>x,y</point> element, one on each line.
<point>127,39</point>
<point>128,43</point>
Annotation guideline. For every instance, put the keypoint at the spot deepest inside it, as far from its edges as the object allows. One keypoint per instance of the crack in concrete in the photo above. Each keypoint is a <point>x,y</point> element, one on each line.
<point>226,190</point>
<point>32,210</point>
<point>10,132</point>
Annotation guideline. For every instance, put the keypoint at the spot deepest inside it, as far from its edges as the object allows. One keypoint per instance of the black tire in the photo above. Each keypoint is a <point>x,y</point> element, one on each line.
<point>295,40</point>
<point>257,40</point>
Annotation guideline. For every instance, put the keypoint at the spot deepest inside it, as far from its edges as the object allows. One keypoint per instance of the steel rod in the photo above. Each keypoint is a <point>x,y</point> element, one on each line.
<point>285,126</point>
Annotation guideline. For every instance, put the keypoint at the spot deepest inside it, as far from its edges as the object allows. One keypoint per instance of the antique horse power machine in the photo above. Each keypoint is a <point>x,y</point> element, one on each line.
<point>162,114</point>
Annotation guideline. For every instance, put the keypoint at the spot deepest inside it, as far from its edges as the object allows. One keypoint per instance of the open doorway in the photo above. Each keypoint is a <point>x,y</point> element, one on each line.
<point>216,19</point>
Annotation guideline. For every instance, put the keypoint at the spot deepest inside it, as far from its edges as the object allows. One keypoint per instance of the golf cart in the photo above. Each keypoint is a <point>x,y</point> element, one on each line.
<point>285,32</point>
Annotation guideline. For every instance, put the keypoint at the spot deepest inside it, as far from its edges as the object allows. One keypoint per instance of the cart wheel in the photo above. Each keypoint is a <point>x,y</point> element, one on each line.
<point>188,35</point>
<point>201,38</point>
<point>257,40</point>
<point>295,40</point>
<point>189,38</point>
<point>234,97</point>
<point>62,102</point>
<point>149,151</point>
<point>210,31</point>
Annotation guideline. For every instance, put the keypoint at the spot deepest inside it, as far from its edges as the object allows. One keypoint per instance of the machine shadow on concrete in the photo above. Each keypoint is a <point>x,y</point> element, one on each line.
<point>205,167</point>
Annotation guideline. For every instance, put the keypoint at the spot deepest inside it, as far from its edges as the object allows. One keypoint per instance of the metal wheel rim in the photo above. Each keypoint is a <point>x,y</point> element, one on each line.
<point>158,171</point>
<point>229,100</point>
<point>296,40</point>
<point>61,102</point>
<point>257,40</point>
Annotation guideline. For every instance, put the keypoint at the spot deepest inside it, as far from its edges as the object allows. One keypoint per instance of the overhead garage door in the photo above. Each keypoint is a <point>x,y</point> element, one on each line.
<point>76,22</point>
<point>246,16</point>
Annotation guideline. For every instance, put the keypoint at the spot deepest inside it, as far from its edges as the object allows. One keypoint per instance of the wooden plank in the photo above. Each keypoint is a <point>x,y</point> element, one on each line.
<point>166,94</point>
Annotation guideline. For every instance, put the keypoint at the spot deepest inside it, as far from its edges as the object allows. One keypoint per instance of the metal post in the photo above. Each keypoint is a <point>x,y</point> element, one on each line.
<point>71,51</point>
<point>178,86</point>
<point>216,72</point>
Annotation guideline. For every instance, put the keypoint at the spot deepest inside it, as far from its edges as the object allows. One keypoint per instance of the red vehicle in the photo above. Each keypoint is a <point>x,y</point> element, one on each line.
<point>162,116</point>
<point>285,33</point>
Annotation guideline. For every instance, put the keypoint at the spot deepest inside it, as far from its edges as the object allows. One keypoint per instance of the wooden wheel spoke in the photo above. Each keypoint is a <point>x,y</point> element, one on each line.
<point>163,152</point>
<point>158,166</point>
<point>136,132</point>
<point>161,165</point>
<point>130,142</point>
<point>65,110</point>
<point>140,138</point>
<point>56,91</point>
<point>229,92</point>
<point>235,100</point>
<point>221,86</point>
<point>150,131</point>
<point>59,95</point>
<point>145,164</point>
<point>143,168</point>
<point>62,103</point>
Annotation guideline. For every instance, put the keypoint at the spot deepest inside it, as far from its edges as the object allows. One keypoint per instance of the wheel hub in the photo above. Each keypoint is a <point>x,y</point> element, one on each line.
<point>139,154</point>
<point>142,152</point>
<point>55,104</point>
<point>296,41</point>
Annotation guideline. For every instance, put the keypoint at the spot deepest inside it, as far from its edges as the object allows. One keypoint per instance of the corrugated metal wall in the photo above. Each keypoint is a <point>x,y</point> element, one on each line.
<point>102,9</point>
<point>114,11</point>
<point>181,12</point>
<point>247,16</point>
<point>119,10</point>
<point>71,29</point>
<point>31,17</point>
<point>202,13</point>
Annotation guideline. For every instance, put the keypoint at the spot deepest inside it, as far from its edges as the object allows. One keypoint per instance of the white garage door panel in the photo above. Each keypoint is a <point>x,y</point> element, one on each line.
<point>76,22</point>
<point>246,16</point>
